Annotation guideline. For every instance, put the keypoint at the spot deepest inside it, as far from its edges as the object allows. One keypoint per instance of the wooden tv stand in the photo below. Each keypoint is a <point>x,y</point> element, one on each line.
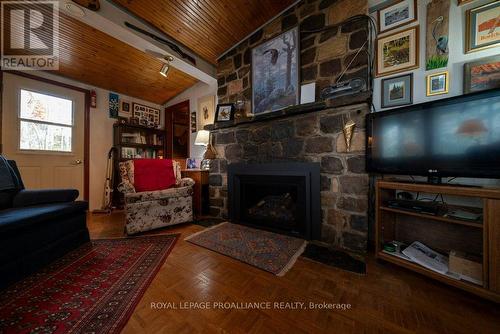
<point>443,233</point>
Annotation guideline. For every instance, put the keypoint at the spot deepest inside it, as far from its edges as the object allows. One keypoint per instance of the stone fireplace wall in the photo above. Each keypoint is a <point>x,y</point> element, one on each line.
<point>324,53</point>
<point>328,43</point>
<point>312,137</point>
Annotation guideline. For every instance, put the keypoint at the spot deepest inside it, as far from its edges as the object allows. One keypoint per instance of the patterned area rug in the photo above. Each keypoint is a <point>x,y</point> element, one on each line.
<point>268,251</point>
<point>93,289</point>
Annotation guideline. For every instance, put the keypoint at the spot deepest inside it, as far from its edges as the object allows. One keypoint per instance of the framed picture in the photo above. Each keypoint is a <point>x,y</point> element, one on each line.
<point>397,91</point>
<point>206,111</point>
<point>275,73</point>
<point>225,112</point>
<point>114,105</point>
<point>438,83</point>
<point>483,27</point>
<point>148,116</point>
<point>463,2</point>
<point>397,52</point>
<point>125,108</point>
<point>396,15</point>
<point>193,122</point>
<point>192,163</point>
<point>436,35</point>
<point>482,74</point>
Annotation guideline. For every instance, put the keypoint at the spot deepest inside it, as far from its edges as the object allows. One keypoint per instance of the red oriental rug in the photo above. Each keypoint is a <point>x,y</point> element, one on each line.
<point>93,289</point>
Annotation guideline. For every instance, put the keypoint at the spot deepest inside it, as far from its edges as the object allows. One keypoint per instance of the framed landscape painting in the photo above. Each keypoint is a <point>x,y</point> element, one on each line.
<point>483,27</point>
<point>482,74</point>
<point>397,15</point>
<point>275,73</point>
<point>438,83</point>
<point>397,91</point>
<point>397,52</point>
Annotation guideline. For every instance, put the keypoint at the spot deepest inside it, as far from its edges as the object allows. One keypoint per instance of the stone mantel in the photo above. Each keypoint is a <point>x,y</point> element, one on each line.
<point>362,97</point>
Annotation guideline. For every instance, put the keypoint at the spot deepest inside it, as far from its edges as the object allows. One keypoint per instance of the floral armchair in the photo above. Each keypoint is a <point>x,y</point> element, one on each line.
<point>150,210</point>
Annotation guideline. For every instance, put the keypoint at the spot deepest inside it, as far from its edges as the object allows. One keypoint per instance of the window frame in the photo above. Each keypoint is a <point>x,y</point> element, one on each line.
<point>21,119</point>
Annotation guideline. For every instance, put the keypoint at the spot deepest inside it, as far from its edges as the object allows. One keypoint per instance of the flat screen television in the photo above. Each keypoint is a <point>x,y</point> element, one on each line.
<point>453,137</point>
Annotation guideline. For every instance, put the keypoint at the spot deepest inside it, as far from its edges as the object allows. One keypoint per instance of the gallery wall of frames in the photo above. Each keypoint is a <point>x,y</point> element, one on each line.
<point>435,49</point>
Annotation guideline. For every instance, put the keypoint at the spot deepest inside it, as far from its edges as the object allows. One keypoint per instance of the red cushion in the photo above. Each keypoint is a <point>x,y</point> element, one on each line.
<point>153,174</point>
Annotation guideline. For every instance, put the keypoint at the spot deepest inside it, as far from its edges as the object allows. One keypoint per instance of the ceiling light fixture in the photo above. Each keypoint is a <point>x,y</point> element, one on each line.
<point>166,67</point>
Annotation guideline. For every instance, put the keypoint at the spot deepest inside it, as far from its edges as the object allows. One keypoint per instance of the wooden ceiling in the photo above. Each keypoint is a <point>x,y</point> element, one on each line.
<point>95,58</point>
<point>208,27</point>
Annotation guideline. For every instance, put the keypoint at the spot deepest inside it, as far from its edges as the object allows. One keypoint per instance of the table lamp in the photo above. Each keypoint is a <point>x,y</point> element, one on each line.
<point>203,138</point>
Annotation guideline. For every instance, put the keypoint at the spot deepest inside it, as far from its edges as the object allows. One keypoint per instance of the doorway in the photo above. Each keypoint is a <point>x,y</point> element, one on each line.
<point>177,128</point>
<point>44,127</point>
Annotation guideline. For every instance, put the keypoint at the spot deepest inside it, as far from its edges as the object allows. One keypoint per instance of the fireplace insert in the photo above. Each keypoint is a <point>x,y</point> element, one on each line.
<point>280,197</point>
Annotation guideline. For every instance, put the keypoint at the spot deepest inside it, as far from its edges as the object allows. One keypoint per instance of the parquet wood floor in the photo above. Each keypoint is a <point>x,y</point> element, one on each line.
<point>388,299</point>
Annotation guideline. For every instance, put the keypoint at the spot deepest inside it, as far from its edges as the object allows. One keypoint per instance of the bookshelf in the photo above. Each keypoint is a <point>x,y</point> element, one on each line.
<point>443,233</point>
<point>134,142</point>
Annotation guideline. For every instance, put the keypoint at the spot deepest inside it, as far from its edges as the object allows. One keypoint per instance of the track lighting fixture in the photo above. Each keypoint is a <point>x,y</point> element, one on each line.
<point>166,67</point>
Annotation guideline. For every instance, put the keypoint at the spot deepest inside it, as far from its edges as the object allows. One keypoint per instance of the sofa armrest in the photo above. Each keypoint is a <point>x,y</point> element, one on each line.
<point>147,196</point>
<point>126,187</point>
<point>43,196</point>
<point>186,182</point>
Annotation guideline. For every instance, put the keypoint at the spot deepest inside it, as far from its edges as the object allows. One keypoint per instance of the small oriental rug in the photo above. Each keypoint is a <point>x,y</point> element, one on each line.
<point>93,289</point>
<point>272,252</point>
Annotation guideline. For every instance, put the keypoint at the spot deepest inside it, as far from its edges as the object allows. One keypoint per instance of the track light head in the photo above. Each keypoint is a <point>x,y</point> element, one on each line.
<point>166,67</point>
<point>164,70</point>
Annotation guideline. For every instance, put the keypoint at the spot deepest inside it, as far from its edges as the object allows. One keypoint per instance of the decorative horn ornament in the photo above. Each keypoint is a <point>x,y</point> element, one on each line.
<point>348,130</point>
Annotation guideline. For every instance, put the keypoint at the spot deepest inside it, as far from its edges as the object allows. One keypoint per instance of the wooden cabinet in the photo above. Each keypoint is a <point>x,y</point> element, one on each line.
<point>443,233</point>
<point>200,194</point>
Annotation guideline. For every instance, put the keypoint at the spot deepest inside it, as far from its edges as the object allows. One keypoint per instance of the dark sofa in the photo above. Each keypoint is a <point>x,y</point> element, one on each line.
<point>36,226</point>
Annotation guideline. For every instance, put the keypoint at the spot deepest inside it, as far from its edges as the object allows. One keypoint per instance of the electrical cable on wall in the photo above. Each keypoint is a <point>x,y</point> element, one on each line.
<point>353,85</point>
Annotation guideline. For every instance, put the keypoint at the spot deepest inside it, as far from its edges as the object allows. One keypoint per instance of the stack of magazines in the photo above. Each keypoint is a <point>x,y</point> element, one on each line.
<point>421,254</point>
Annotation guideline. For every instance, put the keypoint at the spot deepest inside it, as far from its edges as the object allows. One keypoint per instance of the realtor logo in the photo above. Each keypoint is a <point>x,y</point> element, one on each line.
<point>30,35</point>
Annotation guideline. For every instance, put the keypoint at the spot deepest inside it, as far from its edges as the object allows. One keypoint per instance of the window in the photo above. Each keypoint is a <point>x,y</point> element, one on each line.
<point>46,122</point>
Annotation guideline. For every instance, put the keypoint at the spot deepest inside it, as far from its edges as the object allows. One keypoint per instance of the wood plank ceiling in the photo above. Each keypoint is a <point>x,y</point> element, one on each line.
<point>95,58</point>
<point>208,27</point>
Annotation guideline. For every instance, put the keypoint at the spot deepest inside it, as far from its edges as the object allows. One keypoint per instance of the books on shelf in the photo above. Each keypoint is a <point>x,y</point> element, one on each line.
<point>138,138</point>
<point>138,153</point>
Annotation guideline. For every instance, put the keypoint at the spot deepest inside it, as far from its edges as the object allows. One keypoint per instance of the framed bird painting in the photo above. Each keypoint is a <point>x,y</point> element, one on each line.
<point>275,73</point>
<point>436,37</point>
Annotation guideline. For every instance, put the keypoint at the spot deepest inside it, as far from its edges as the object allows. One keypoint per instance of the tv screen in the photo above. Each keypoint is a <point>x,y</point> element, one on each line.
<point>458,136</point>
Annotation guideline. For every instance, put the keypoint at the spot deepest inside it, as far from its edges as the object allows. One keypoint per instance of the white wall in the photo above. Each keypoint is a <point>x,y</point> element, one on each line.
<point>193,94</point>
<point>457,56</point>
<point>101,135</point>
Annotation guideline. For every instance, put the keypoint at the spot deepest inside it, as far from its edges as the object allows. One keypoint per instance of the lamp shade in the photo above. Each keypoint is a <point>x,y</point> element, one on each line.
<point>202,138</point>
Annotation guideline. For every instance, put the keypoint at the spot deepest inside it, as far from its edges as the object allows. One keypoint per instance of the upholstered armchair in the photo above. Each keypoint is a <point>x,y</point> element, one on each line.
<point>150,210</point>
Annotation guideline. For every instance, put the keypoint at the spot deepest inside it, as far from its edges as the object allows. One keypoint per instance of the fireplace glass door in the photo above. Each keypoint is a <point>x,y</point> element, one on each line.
<point>273,202</point>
